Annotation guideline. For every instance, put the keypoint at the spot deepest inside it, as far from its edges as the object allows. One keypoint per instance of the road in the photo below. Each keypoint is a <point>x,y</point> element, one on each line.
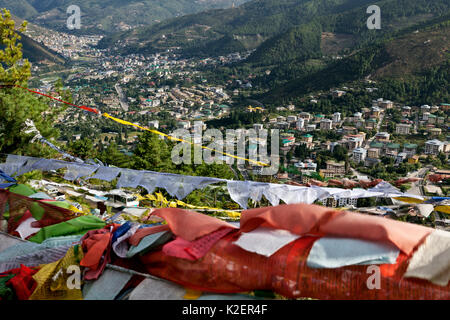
<point>417,187</point>
<point>122,97</point>
<point>367,143</point>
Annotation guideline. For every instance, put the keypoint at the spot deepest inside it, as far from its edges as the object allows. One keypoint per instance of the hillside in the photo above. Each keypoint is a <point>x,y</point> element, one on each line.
<point>417,60</point>
<point>110,15</point>
<point>36,52</point>
<point>280,30</point>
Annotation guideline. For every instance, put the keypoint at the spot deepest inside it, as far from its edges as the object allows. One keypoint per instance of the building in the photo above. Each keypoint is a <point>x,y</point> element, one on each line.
<point>413,160</point>
<point>326,124</point>
<point>337,117</point>
<point>359,155</point>
<point>307,166</point>
<point>338,93</point>
<point>258,127</point>
<point>300,124</point>
<point>400,157</point>
<point>376,111</point>
<point>373,153</point>
<point>432,119</point>
<point>392,149</point>
<point>433,147</point>
<point>291,118</point>
<point>305,115</point>
<point>386,104</point>
<point>310,127</point>
<point>410,149</point>
<point>371,123</point>
<point>349,130</point>
<point>153,124</point>
<point>382,137</point>
<point>347,202</point>
<point>334,169</point>
<point>329,202</point>
<point>402,128</point>
<point>287,140</point>
<point>406,111</point>
<point>435,131</point>
<point>283,125</point>
<point>318,118</point>
<point>183,124</point>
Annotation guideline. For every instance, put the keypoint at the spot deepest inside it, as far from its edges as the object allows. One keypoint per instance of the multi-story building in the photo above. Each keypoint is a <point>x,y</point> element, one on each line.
<point>402,128</point>
<point>334,169</point>
<point>433,147</point>
<point>337,117</point>
<point>392,149</point>
<point>359,155</point>
<point>300,124</point>
<point>291,118</point>
<point>326,124</point>
<point>305,115</point>
<point>410,149</point>
<point>382,137</point>
<point>373,153</point>
<point>258,127</point>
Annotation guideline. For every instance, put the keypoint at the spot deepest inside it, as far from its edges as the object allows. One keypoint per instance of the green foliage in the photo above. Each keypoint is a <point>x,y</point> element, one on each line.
<point>83,148</point>
<point>18,105</point>
<point>299,43</point>
<point>17,70</point>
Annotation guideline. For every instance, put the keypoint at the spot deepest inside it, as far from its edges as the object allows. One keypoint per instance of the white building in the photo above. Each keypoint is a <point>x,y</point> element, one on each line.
<point>359,155</point>
<point>434,146</point>
<point>402,128</point>
<point>258,127</point>
<point>184,124</point>
<point>346,202</point>
<point>300,124</point>
<point>291,118</point>
<point>337,117</point>
<point>153,124</point>
<point>326,124</point>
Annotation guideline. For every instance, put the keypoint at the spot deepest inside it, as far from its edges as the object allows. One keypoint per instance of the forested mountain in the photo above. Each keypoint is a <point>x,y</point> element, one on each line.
<point>109,15</point>
<point>280,30</point>
<point>413,63</point>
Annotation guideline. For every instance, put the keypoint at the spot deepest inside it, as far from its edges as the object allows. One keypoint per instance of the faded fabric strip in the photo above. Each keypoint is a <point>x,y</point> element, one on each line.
<point>107,286</point>
<point>75,171</point>
<point>49,164</point>
<point>106,173</point>
<point>152,289</point>
<point>180,186</point>
<point>329,252</point>
<point>431,261</point>
<point>121,246</point>
<point>150,181</point>
<point>265,241</point>
<point>129,178</point>
<point>150,242</point>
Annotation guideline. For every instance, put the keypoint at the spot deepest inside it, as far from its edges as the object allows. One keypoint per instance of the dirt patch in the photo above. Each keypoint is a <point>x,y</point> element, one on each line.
<point>335,43</point>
